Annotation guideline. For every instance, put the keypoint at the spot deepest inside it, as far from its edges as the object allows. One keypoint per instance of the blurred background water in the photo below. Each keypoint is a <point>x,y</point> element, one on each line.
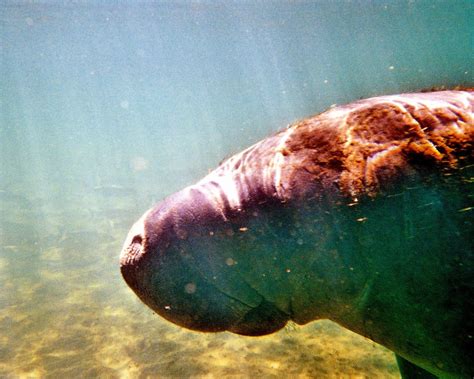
<point>107,107</point>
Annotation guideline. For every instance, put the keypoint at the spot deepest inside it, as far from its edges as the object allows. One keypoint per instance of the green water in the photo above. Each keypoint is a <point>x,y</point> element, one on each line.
<point>107,108</point>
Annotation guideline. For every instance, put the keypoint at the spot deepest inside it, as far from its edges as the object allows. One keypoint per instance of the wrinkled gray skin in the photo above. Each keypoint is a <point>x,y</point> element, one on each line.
<point>396,268</point>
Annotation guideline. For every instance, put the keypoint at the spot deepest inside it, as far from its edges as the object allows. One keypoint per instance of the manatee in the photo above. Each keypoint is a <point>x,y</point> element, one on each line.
<point>362,215</point>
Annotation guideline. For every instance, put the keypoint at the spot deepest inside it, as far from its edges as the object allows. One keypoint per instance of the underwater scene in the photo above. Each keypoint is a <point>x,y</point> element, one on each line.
<point>107,107</point>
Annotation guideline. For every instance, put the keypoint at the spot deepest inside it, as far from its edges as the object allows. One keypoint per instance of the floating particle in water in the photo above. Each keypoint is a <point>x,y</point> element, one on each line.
<point>139,163</point>
<point>190,288</point>
<point>124,104</point>
<point>230,262</point>
<point>29,21</point>
<point>114,190</point>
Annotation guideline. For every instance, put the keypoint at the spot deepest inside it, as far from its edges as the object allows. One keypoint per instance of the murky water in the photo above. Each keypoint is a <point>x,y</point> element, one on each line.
<point>105,109</point>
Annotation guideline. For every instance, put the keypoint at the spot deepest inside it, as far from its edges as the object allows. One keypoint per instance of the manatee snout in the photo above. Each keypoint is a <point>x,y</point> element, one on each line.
<point>175,266</point>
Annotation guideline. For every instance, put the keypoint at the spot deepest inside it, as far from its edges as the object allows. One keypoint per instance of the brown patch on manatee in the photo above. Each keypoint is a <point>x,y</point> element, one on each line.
<point>365,146</point>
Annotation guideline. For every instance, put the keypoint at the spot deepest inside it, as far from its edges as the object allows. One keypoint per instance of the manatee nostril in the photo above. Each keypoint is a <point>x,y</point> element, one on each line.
<point>137,240</point>
<point>135,247</point>
<point>132,251</point>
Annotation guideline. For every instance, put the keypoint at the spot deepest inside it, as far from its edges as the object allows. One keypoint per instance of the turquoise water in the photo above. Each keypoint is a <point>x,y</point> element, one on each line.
<point>105,109</point>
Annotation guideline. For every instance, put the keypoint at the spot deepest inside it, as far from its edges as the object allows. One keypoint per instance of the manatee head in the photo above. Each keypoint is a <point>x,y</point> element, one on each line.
<point>194,266</point>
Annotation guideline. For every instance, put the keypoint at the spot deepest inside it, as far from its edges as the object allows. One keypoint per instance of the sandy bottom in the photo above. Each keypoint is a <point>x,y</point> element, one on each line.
<point>65,312</point>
